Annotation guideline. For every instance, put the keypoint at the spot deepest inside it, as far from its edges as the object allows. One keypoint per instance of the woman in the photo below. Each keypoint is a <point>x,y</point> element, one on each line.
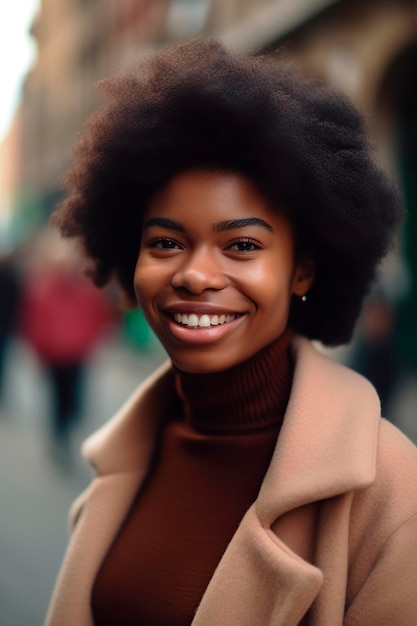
<point>249,481</point>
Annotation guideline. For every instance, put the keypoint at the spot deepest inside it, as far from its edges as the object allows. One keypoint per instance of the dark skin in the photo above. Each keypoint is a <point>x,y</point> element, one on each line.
<point>216,270</point>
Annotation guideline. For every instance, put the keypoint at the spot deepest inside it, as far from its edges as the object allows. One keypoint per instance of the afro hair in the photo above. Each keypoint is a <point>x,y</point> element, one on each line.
<point>195,104</point>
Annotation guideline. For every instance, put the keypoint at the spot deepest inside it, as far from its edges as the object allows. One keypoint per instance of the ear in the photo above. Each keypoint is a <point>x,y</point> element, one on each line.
<point>304,274</point>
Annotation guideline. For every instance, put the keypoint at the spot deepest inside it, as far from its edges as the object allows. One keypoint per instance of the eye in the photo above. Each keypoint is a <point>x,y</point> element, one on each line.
<point>245,245</point>
<point>164,243</point>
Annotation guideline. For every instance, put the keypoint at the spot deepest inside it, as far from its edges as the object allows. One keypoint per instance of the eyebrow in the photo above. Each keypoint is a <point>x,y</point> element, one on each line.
<point>241,223</point>
<point>165,222</point>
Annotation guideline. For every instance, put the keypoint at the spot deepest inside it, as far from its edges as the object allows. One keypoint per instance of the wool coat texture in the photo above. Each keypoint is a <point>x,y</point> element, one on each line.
<point>331,538</point>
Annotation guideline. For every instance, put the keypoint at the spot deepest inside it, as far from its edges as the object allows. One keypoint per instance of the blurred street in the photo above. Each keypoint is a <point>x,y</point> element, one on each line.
<point>36,491</point>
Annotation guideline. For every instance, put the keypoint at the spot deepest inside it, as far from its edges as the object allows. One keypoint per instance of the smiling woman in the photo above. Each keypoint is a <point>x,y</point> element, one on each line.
<point>250,480</point>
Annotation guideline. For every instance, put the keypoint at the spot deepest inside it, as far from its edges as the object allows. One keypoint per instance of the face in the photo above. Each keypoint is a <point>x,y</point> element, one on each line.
<point>216,270</point>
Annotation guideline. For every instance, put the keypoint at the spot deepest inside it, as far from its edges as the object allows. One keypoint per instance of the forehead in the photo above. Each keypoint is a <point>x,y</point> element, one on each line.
<point>210,196</point>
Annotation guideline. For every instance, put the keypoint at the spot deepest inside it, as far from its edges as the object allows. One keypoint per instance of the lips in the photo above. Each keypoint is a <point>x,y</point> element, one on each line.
<point>193,320</point>
<point>203,327</point>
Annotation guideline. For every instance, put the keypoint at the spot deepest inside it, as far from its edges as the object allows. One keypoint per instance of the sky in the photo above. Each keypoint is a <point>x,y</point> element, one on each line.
<point>17,51</point>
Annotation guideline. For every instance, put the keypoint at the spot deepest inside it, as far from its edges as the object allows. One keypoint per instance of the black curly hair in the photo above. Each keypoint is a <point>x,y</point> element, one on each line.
<point>195,104</point>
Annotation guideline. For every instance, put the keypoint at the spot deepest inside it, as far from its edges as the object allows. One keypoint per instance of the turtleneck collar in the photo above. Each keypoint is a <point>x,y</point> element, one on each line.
<point>250,396</point>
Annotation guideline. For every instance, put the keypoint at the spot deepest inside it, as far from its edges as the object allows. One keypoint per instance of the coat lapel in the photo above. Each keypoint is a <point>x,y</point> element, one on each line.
<point>258,582</point>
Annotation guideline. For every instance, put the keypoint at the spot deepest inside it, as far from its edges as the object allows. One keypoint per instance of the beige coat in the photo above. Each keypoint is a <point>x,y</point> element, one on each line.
<point>332,535</point>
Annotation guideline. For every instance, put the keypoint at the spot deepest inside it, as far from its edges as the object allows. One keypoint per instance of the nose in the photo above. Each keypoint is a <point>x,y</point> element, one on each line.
<point>201,270</point>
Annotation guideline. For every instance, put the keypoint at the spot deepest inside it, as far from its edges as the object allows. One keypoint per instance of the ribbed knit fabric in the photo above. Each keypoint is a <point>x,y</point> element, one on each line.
<point>207,472</point>
<point>250,396</point>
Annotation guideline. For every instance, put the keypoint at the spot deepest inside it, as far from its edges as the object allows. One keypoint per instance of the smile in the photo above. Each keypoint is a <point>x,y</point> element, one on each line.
<point>203,321</point>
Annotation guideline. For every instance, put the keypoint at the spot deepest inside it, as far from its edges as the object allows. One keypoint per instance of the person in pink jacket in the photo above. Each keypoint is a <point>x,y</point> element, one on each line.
<point>62,318</point>
<point>250,481</point>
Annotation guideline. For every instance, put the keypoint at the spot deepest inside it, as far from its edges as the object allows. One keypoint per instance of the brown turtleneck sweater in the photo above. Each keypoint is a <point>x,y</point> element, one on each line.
<point>206,473</point>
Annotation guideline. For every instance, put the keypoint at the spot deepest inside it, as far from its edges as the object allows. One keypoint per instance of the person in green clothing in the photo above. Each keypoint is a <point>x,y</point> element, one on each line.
<point>250,480</point>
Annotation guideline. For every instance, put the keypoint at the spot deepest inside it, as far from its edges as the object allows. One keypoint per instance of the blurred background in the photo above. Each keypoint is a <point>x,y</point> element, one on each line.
<point>58,382</point>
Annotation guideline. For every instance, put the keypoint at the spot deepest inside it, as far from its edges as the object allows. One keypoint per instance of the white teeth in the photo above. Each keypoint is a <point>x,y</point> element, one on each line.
<point>193,320</point>
<point>203,321</point>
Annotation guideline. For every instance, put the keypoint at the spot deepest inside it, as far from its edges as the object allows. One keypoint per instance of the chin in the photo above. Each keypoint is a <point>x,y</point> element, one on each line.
<point>198,364</point>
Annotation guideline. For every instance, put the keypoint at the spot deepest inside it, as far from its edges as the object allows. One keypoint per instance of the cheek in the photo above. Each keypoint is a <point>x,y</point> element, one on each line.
<point>150,280</point>
<point>141,284</point>
<point>255,276</point>
<point>268,285</point>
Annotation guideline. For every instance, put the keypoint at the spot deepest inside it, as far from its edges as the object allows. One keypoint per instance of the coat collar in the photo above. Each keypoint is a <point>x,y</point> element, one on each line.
<point>327,444</point>
<point>328,441</point>
<point>125,442</point>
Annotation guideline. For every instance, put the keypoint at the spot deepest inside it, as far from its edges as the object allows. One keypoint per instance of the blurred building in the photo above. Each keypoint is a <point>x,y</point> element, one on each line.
<point>10,164</point>
<point>367,48</point>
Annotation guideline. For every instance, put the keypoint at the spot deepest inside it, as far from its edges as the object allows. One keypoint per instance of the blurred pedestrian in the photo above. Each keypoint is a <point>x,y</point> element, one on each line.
<point>9,307</point>
<point>62,318</point>
<point>251,480</point>
<point>374,354</point>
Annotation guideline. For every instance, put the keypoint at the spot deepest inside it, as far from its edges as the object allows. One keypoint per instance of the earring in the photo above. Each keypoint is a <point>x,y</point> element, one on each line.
<point>304,298</point>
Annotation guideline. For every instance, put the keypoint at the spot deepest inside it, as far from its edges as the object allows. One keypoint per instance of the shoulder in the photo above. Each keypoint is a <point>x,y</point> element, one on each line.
<point>396,466</point>
<point>395,484</point>
<point>383,537</point>
<point>337,399</point>
<point>312,362</point>
<point>348,407</point>
<point>380,511</point>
